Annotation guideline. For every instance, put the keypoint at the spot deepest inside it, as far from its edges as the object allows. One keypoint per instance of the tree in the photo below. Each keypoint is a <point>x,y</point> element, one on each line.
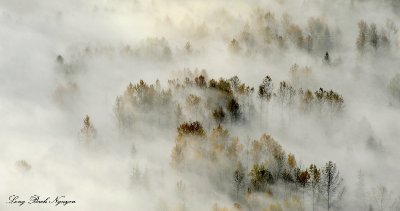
<point>193,100</point>
<point>286,93</point>
<point>384,40</point>
<point>256,149</point>
<point>222,85</point>
<point>303,179</point>
<point>332,99</point>
<point>191,128</point>
<point>178,113</point>
<point>219,139</point>
<point>88,132</point>
<point>373,36</point>
<point>327,60</point>
<point>296,35</point>
<point>234,46</point>
<point>362,36</point>
<point>235,83</point>
<point>238,178</point>
<point>167,53</point>
<point>177,156</point>
<point>265,89</point>
<point>287,177</point>
<point>234,109</point>
<point>315,176</point>
<point>360,191</point>
<point>260,177</point>
<point>331,184</point>
<point>309,43</point>
<point>335,101</point>
<point>265,92</point>
<point>308,99</point>
<point>201,81</point>
<point>320,32</point>
<point>382,198</point>
<point>233,149</point>
<point>278,154</point>
<point>292,161</point>
<point>394,86</point>
<point>188,48</point>
<point>219,115</point>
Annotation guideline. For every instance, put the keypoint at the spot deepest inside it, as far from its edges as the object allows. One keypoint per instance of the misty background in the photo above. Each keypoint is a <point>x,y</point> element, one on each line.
<point>63,60</point>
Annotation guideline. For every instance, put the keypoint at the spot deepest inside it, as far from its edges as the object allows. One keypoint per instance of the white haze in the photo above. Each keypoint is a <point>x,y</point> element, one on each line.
<point>40,125</point>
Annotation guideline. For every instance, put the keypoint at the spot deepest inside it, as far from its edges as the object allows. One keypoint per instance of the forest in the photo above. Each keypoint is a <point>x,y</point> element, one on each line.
<point>192,105</point>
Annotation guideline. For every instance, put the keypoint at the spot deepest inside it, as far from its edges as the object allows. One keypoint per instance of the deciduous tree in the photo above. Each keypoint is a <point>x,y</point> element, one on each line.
<point>331,185</point>
<point>260,177</point>
<point>315,176</point>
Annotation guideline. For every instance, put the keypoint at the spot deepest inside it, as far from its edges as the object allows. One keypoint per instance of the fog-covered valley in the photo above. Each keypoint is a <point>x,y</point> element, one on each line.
<point>195,105</point>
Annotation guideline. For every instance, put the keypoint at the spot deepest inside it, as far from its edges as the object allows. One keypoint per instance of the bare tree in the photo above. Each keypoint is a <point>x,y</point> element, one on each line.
<point>331,186</point>
<point>382,198</point>
<point>360,191</point>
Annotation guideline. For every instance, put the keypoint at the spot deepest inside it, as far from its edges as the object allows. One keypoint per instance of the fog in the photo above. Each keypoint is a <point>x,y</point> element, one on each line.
<point>140,148</point>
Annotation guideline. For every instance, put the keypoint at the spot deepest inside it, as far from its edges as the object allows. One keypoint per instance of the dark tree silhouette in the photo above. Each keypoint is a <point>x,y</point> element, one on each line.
<point>265,89</point>
<point>219,115</point>
<point>327,59</point>
<point>265,93</point>
<point>234,110</point>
